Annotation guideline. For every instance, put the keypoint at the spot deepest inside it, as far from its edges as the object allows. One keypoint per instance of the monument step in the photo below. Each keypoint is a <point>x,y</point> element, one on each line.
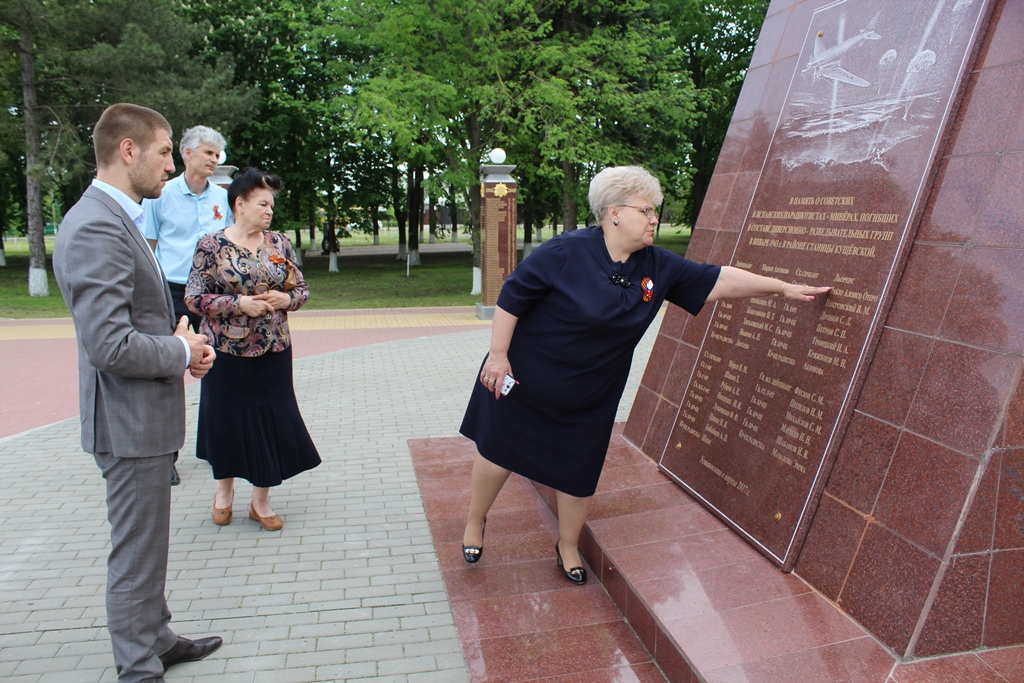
<point>709,607</point>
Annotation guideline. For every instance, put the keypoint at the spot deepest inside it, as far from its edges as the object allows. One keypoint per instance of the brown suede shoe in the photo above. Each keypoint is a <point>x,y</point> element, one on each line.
<point>271,523</point>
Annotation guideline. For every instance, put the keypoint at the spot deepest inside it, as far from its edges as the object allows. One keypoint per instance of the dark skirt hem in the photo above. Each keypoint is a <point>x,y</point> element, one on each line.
<point>250,426</point>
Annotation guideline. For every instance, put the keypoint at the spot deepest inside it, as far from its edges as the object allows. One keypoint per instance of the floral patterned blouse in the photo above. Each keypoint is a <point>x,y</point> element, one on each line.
<point>223,272</point>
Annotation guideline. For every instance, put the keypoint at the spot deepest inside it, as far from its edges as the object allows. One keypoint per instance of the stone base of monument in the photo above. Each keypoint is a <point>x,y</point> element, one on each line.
<point>484,312</point>
<point>704,604</point>
<point>709,607</point>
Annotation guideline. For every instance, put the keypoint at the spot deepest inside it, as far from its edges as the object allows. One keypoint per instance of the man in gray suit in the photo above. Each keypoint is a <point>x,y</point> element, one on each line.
<point>131,358</point>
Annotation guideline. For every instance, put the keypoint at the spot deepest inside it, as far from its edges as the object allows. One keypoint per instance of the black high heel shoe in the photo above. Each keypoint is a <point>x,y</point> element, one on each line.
<point>576,575</point>
<point>473,553</point>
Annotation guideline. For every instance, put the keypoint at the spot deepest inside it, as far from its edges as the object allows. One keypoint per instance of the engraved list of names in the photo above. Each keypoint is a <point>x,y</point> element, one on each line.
<point>835,205</point>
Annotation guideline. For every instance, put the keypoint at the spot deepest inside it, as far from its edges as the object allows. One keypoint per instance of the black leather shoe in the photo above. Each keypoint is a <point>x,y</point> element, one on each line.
<point>175,479</point>
<point>473,553</point>
<point>186,650</point>
<point>576,575</point>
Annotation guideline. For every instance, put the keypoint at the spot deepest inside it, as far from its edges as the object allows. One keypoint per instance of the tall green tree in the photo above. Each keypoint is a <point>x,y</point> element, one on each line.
<point>717,39</point>
<point>75,58</point>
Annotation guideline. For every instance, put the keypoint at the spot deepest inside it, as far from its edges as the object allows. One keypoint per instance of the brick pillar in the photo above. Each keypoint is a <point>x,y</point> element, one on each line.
<point>497,234</point>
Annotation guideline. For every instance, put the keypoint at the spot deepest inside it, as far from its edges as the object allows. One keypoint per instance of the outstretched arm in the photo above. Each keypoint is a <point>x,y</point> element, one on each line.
<point>736,283</point>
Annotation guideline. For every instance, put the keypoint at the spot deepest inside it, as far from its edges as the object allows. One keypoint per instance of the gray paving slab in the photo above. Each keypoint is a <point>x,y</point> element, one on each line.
<point>351,590</point>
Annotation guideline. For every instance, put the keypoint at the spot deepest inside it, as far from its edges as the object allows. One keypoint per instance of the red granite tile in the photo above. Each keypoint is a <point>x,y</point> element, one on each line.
<point>657,526</point>
<point>625,456</point>
<point>500,524</point>
<point>863,460</point>
<point>711,210</point>
<point>571,606</point>
<point>924,492</point>
<point>960,188</point>
<point>615,583</point>
<point>649,561</point>
<point>998,224</point>
<point>976,534</point>
<point>441,450</point>
<point>637,673</point>
<point>905,572</point>
<point>761,631</point>
<point>831,544</point>
<point>695,592</point>
<point>797,23</point>
<point>679,373</point>
<point>455,469</point>
<point>769,38</point>
<point>673,324</point>
<point>677,669</point>
<point>518,547</point>
<point>1003,43</point>
<point>735,214</point>
<point>861,660</point>
<point>965,667</point>
<point>894,375</point>
<point>697,327</point>
<point>475,582</point>
<point>986,303</point>
<point>658,364</point>
<point>990,109</point>
<point>642,619</point>
<point>754,84</point>
<point>1007,662</point>
<point>642,499</point>
<point>926,288</point>
<point>961,395</point>
<point>1014,434</point>
<point>660,429</point>
<point>701,242</point>
<point>734,148</point>
<point>1004,625</point>
<point>553,653</point>
<point>778,87</point>
<point>1009,534</point>
<point>613,478</point>
<point>956,618</point>
<point>640,415</point>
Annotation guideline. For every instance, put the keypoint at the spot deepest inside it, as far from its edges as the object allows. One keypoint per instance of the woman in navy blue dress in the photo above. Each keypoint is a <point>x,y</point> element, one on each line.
<point>565,326</point>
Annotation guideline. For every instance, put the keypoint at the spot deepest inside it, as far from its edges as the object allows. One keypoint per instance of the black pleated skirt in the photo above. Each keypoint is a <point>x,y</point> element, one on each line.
<point>249,421</point>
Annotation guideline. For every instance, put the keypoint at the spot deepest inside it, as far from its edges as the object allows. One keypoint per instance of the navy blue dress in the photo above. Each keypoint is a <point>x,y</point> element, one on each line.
<point>571,352</point>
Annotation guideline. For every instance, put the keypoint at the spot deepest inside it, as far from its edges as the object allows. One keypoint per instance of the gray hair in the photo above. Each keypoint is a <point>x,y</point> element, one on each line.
<point>616,184</point>
<point>200,135</point>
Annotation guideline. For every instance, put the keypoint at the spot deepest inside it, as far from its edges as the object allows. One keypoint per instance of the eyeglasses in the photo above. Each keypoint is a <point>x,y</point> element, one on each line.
<point>648,211</point>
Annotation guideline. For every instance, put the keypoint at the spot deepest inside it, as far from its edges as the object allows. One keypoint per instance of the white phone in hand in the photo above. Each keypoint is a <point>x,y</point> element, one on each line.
<point>507,385</point>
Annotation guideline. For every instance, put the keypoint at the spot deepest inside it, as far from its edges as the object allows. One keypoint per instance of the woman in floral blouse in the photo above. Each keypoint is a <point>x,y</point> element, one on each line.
<point>243,283</point>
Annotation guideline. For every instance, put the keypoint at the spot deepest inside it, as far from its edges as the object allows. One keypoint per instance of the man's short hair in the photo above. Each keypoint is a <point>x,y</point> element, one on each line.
<point>125,121</point>
<point>195,136</point>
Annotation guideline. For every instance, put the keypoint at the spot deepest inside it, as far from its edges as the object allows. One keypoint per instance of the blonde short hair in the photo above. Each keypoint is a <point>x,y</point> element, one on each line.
<point>616,184</point>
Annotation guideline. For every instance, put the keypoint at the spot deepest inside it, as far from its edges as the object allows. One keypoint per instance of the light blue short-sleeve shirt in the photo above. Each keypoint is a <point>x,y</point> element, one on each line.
<point>178,218</point>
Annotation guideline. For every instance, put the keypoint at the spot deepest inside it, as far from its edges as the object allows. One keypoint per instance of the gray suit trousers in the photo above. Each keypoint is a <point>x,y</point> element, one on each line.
<point>139,510</point>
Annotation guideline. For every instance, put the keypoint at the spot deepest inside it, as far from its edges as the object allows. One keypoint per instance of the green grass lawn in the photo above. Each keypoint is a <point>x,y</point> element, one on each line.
<point>443,279</point>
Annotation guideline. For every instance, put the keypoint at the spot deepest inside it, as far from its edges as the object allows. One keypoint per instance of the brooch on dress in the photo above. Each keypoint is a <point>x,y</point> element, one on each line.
<point>217,215</point>
<point>648,286</point>
<point>620,280</point>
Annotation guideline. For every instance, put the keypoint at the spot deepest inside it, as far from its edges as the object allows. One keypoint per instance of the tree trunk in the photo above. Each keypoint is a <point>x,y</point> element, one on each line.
<point>396,203</point>
<point>298,232</point>
<point>527,227</point>
<point>432,213</point>
<point>415,198</point>
<point>331,232</point>
<point>569,195</point>
<point>37,283</point>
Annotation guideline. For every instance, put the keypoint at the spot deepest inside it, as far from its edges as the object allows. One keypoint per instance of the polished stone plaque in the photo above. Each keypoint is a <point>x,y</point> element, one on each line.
<point>836,204</point>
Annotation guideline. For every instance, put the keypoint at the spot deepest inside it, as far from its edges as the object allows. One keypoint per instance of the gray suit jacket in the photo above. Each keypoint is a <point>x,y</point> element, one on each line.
<point>131,390</point>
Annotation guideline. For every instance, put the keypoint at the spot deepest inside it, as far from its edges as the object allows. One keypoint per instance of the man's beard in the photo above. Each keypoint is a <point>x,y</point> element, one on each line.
<point>141,185</point>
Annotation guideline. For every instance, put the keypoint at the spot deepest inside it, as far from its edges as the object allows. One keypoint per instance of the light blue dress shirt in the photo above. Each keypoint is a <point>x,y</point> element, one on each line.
<point>178,219</point>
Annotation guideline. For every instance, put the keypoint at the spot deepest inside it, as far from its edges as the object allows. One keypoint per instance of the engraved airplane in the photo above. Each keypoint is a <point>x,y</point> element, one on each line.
<point>825,62</point>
